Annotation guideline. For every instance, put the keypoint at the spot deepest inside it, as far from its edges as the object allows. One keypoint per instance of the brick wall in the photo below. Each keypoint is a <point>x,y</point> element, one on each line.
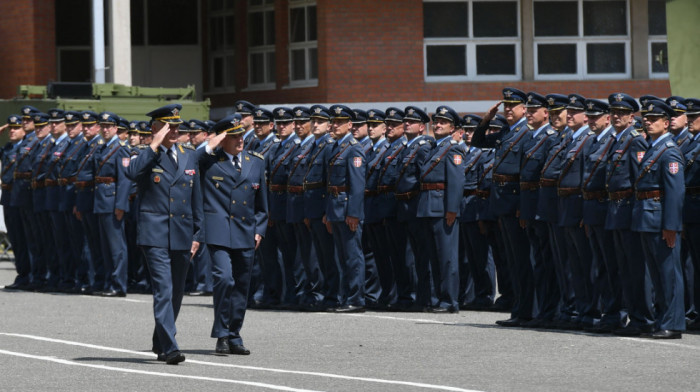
<point>28,48</point>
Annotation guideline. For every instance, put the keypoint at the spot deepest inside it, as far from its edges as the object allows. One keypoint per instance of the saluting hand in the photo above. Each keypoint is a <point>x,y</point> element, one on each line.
<point>488,116</point>
<point>670,237</point>
<point>159,136</point>
<point>2,128</point>
<point>216,140</point>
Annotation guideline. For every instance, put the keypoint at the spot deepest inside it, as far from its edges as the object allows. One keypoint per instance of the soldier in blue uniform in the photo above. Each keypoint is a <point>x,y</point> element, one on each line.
<point>346,167</point>
<point>235,205</point>
<point>441,189</point>
<point>112,189</point>
<point>691,206</point>
<point>83,180</point>
<point>479,264</point>
<point>170,221</point>
<point>548,211</point>
<point>657,215</point>
<point>312,298</point>
<point>505,198</point>
<point>595,207</point>
<point>622,167</point>
<point>246,110</point>
<point>9,155</point>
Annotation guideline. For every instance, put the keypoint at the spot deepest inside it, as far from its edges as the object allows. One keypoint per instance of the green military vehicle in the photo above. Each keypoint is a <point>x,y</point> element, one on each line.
<point>130,102</point>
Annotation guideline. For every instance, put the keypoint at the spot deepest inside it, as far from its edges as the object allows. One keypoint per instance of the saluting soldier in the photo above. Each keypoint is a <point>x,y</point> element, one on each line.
<point>170,226</point>
<point>657,215</point>
<point>235,201</point>
<point>441,189</point>
<point>345,207</point>
<point>691,206</point>
<point>112,189</point>
<point>246,110</point>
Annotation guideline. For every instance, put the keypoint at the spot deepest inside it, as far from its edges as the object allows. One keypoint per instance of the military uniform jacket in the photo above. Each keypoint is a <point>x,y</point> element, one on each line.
<point>473,165</point>
<point>662,169</point>
<point>381,205</point>
<point>297,169</point>
<point>67,168</point>
<point>85,196</point>
<point>21,187</point>
<point>346,167</point>
<point>483,185</point>
<point>535,155</point>
<point>8,156</point>
<point>571,177</point>
<point>548,200</point>
<point>510,147</point>
<point>683,139</point>
<point>40,156</point>
<point>111,160</point>
<point>315,176</point>
<point>444,164</point>
<point>235,204</point>
<point>250,142</point>
<point>691,207</point>
<point>53,193</point>
<point>622,169</point>
<point>278,175</point>
<point>264,147</point>
<point>170,209</point>
<point>404,175</point>
<point>595,210</point>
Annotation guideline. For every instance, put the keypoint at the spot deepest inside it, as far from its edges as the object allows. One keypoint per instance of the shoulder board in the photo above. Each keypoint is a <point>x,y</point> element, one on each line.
<point>591,133</point>
<point>353,142</point>
<point>323,143</point>
<point>122,143</point>
<point>422,142</point>
<point>634,133</point>
<point>453,141</point>
<point>297,141</point>
<point>100,141</point>
<point>551,132</point>
<point>187,146</point>
<point>84,139</point>
<point>276,140</point>
<point>142,146</point>
<point>530,127</point>
<point>671,144</point>
<point>52,140</point>
<point>256,154</point>
<point>485,149</point>
<point>404,142</point>
<point>133,152</point>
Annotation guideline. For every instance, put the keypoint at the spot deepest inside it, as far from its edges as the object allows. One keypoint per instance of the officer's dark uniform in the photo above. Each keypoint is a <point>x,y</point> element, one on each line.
<point>659,190</point>
<point>169,221</point>
<point>235,205</point>
<point>441,190</point>
<point>691,206</point>
<point>250,141</point>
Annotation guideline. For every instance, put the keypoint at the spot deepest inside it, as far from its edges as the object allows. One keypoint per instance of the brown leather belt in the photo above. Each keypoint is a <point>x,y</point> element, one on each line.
<point>483,193</point>
<point>313,185</point>
<point>547,182</point>
<point>277,188</point>
<point>63,181</point>
<point>37,184</point>
<point>49,182</point>
<point>385,188</point>
<point>529,186</point>
<point>335,190</point>
<point>22,175</point>
<point>595,195</point>
<point>406,196</point>
<point>104,180</point>
<point>655,194</point>
<point>503,178</point>
<point>469,192</point>
<point>619,195</point>
<point>6,187</point>
<point>692,190</point>
<point>371,192</point>
<point>432,186</point>
<point>563,192</point>
<point>295,188</point>
<point>83,184</point>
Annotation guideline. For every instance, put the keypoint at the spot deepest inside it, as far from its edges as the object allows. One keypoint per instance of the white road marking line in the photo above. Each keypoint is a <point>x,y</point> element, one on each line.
<point>426,321</point>
<point>159,374</point>
<point>116,299</point>
<point>272,370</point>
<point>663,343</point>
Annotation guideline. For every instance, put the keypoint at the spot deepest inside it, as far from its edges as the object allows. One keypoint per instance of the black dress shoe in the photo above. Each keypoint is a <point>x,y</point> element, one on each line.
<point>200,293</point>
<point>13,286</point>
<point>534,323</point>
<point>222,346</point>
<point>511,322</point>
<point>666,334</point>
<point>600,329</point>
<point>350,309</point>
<point>174,358</point>
<point>114,293</point>
<point>633,330</point>
<point>238,349</point>
<point>694,326</point>
<point>161,357</point>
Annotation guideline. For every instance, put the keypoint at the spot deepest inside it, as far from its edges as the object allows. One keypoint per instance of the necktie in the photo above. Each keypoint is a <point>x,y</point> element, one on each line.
<point>173,157</point>
<point>236,164</point>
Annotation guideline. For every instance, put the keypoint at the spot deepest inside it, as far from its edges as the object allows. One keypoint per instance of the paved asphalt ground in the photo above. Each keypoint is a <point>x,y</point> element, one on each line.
<point>81,343</point>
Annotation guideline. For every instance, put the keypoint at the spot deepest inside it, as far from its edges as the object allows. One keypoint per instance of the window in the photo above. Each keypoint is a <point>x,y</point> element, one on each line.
<point>471,40</point>
<point>577,39</point>
<point>73,45</point>
<point>658,50</point>
<point>303,45</point>
<point>261,44</point>
<point>222,38</point>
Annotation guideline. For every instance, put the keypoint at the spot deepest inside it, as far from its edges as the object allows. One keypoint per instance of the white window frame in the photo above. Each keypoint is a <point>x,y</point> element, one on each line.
<point>223,53</point>
<point>263,49</point>
<point>308,81</point>
<point>581,55</point>
<point>470,43</point>
<point>653,39</point>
